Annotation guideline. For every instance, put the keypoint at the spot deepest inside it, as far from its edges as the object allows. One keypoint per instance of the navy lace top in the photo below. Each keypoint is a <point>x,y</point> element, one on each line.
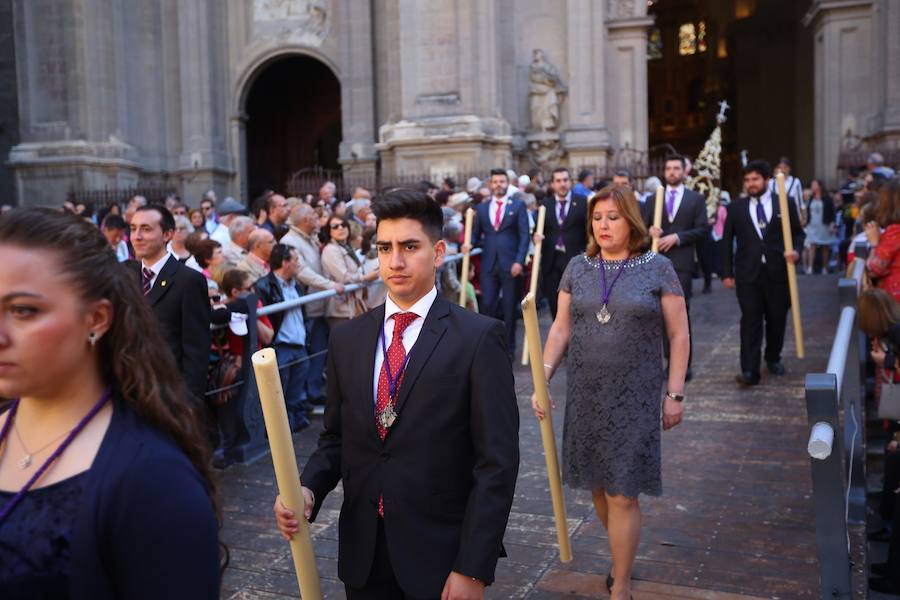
<point>35,541</point>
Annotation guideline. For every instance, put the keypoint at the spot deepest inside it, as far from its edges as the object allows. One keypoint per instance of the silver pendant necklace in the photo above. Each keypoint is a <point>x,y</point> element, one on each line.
<point>26,460</point>
<point>603,315</point>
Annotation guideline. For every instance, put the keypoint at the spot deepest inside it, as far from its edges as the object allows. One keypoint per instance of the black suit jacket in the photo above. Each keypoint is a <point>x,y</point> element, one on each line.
<point>447,468</point>
<point>180,300</point>
<point>573,229</point>
<point>750,248</point>
<point>690,224</point>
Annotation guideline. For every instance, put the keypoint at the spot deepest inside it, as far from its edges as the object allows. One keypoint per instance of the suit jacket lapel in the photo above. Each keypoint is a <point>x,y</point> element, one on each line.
<point>570,209</point>
<point>163,281</point>
<point>369,338</point>
<point>776,212</point>
<point>432,331</point>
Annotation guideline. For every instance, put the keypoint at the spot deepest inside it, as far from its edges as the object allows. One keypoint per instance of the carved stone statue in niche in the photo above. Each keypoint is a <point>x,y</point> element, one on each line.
<point>545,93</point>
<point>289,19</point>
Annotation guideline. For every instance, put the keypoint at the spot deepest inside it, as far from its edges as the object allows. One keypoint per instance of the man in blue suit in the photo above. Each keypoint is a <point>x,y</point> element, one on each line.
<point>503,223</point>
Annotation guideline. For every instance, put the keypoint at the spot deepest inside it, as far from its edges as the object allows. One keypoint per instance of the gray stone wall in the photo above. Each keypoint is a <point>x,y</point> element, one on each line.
<point>9,102</point>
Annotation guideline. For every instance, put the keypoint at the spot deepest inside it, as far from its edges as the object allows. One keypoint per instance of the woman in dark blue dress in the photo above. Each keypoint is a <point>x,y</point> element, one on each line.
<point>105,490</point>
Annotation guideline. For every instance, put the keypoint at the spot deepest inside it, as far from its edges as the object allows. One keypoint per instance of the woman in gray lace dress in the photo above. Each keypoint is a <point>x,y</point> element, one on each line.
<point>615,302</point>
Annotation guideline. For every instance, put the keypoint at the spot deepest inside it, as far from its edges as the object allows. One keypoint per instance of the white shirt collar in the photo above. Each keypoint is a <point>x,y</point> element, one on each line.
<point>568,197</point>
<point>158,266</point>
<point>765,197</point>
<point>679,189</point>
<point>421,307</point>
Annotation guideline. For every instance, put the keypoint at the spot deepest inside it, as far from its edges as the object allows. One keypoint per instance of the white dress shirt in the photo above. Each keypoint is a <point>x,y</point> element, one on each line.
<point>766,201</point>
<point>156,268</point>
<point>679,194</point>
<point>410,334</point>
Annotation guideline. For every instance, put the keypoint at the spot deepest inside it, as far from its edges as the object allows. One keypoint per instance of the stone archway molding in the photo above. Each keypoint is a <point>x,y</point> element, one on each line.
<point>248,72</point>
<point>252,68</point>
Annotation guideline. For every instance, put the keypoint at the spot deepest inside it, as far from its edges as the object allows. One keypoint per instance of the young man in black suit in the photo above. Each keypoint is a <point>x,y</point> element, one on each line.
<point>178,294</point>
<point>759,270</point>
<point>684,225</point>
<point>425,442</point>
<point>565,232</point>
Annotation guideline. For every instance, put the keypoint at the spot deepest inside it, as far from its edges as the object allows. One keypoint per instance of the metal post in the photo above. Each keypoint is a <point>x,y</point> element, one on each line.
<point>852,398</point>
<point>828,491</point>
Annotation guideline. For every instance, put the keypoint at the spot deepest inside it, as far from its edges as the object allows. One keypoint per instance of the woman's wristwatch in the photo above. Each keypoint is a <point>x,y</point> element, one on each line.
<point>675,397</point>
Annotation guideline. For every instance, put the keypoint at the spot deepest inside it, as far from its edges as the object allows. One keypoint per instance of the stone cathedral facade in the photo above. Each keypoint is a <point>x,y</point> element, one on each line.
<point>116,93</point>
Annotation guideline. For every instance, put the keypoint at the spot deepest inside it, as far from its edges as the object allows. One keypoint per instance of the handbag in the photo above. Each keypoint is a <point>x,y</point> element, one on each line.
<point>223,372</point>
<point>889,401</point>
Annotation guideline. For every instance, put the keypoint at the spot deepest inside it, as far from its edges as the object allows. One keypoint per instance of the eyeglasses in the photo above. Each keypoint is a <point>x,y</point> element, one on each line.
<point>339,226</point>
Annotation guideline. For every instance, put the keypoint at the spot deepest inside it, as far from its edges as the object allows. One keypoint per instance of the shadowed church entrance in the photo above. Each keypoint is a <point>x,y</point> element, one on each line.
<point>293,121</point>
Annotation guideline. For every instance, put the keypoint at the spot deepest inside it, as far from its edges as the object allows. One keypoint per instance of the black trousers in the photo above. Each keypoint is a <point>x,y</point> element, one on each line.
<point>764,306</point>
<point>552,274</point>
<point>686,280</point>
<point>382,585</point>
<point>500,281</point>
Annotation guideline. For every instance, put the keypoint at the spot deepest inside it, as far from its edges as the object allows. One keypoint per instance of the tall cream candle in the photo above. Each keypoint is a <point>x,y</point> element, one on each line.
<point>657,215</point>
<point>535,271</point>
<point>464,276</point>
<point>271,397</point>
<point>533,333</point>
<point>791,267</point>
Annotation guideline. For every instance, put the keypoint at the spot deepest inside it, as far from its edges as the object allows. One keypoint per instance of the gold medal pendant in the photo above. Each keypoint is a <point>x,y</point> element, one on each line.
<point>387,417</point>
<point>603,315</point>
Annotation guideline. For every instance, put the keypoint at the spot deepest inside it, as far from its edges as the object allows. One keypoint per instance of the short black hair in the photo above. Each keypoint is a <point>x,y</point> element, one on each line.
<point>405,203</point>
<point>559,170</point>
<point>623,173</point>
<point>114,222</point>
<point>280,254</point>
<point>166,220</point>
<point>758,166</point>
<point>499,172</point>
<point>583,174</point>
<point>678,157</point>
<point>784,160</point>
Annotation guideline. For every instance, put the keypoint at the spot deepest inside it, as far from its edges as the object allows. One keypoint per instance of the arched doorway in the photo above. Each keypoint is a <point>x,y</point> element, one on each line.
<point>756,54</point>
<point>293,111</point>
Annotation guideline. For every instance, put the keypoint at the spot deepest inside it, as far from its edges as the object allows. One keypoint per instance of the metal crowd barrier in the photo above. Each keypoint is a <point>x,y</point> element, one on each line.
<point>240,419</point>
<point>837,455</point>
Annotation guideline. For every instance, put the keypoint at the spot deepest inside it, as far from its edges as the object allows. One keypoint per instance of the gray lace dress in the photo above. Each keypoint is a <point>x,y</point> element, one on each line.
<point>611,434</point>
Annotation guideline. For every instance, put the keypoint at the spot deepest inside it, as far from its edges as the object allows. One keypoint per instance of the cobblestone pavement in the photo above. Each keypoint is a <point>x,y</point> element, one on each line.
<point>735,520</point>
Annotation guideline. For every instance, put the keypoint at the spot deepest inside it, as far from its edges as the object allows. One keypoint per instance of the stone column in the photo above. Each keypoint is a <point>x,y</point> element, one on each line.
<point>842,59</point>
<point>444,117</point>
<point>586,138</point>
<point>886,123</point>
<point>357,150</point>
<point>626,69</point>
<point>204,161</point>
<point>71,100</point>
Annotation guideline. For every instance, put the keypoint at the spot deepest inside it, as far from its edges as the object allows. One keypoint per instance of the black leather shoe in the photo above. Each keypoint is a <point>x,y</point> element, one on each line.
<point>317,401</point>
<point>775,368</point>
<point>747,378</point>
<point>610,582</point>
<point>884,585</point>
